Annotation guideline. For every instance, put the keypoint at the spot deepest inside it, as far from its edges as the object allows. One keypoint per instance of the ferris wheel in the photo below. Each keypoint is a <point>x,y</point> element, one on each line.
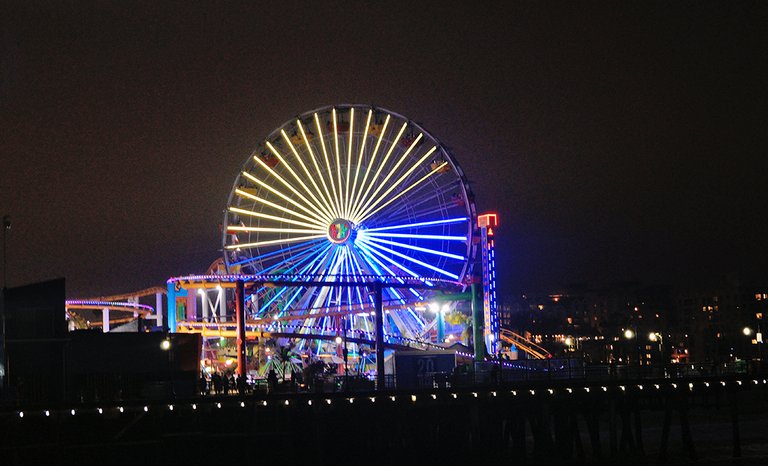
<point>348,193</point>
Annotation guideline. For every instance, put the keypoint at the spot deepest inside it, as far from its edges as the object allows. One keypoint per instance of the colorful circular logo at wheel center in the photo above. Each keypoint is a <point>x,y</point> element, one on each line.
<point>340,231</point>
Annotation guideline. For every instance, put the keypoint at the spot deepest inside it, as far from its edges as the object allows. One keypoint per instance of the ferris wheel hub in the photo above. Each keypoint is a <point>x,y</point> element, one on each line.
<point>340,231</point>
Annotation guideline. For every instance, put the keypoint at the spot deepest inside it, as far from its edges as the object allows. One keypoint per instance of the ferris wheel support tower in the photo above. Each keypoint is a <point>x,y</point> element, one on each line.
<point>486,223</point>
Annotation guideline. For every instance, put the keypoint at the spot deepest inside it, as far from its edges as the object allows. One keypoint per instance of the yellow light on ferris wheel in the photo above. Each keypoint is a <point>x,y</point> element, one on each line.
<point>403,192</point>
<point>349,161</point>
<point>383,163</point>
<point>338,159</point>
<point>276,241</point>
<point>327,208</point>
<point>316,206</point>
<point>392,171</point>
<point>400,180</point>
<point>317,167</point>
<point>373,159</point>
<point>246,195</point>
<point>327,163</point>
<point>283,196</point>
<point>360,156</point>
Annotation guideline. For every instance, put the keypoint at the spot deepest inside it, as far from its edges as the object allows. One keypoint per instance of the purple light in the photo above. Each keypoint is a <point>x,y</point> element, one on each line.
<point>111,304</point>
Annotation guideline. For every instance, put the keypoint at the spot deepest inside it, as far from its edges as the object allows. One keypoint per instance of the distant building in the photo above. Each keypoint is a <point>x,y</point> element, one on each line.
<point>723,323</point>
<point>592,322</point>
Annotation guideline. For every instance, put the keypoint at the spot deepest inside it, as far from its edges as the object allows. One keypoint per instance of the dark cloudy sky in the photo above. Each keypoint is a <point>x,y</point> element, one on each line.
<point>617,140</point>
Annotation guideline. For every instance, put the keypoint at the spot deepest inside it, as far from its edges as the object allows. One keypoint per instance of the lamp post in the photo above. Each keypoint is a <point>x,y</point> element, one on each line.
<point>6,229</point>
<point>630,334</point>
<point>658,337</point>
<point>165,345</point>
<point>3,291</point>
<point>439,311</point>
<point>759,338</point>
<point>748,332</point>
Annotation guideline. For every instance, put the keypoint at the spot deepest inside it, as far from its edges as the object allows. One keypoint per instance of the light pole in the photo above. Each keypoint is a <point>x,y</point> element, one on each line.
<point>165,345</point>
<point>6,229</point>
<point>439,311</point>
<point>759,338</point>
<point>630,334</point>
<point>658,337</point>
<point>747,331</point>
<point>4,356</point>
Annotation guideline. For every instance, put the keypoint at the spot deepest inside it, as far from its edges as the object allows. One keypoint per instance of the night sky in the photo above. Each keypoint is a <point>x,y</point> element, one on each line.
<point>618,141</point>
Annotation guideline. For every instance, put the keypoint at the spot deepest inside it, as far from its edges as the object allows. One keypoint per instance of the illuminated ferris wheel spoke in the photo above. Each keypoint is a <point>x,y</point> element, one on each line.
<point>418,224</point>
<point>297,249</point>
<point>327,164</point>
<point>290,301</point>
<point>401,325</point>
<point>338,159</point>
<point>429,211</point>
<point>419,322</point>
<point>357,271</point>
<point>364,205</point>
<point>414,236</point>
<point>273,217</point>
<point>316,205</point>
<point>307,206</point>
<point>299,292</point>
<point>324,290</point>
<point>412,323</point>
<point>370,259</point>
<point>275,230</point>
<point>370,269</point>
<point>297,259</point>
<point>410,259</point>
<point>409,207</point>
<point>261,200</point>
<point>374,180</point>
<point>310,253</point>
<point>349,161</point>
<point>274,241</point>
<point>398,296</point>
<point>257,181</point>
<point>397,183</point>
<point>363,143</point>
<point>318,171</point>
<point>312,267</point>
<point>324,201</point>
<point>369,253</point>
<point>328,267</point>
<point>371,162</point>
<point>402,193</point>
<point>416,248</point>
<point>354,274</point>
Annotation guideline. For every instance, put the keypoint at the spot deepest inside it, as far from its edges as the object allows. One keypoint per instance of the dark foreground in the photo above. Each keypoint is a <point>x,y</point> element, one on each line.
<point>709,422</point>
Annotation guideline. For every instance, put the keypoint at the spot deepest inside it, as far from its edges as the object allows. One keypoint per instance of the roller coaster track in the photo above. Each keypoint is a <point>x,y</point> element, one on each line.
<point>136,294</point>
<point>524,344</point>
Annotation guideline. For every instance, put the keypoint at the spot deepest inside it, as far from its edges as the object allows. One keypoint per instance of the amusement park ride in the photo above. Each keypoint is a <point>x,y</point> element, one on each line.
<point>346,222</point>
